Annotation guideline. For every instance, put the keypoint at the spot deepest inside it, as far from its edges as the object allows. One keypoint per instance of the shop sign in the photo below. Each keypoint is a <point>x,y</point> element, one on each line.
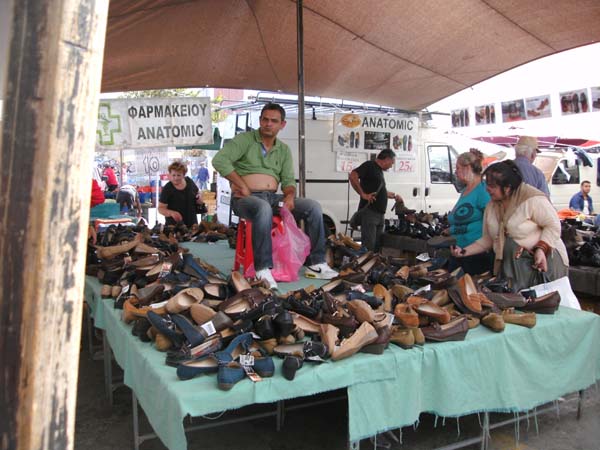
<point>373,133</point>
<point>154,122</point>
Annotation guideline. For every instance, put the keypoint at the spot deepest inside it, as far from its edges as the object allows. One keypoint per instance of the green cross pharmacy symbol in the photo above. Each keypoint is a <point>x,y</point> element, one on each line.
<point>108,125</point>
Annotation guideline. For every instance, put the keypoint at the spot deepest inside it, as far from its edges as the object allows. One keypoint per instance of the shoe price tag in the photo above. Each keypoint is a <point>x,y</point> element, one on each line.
<point>359,288</point>
<point>247,361</point>
<point>159,304</point>
<point>423,257</point>
<point>345,260</point>
<point>314,359</point>
<point>209,327</point>
<point>252,374</point>
<point>125,289</point>
<point>165,270</point>
<point>423,289</point>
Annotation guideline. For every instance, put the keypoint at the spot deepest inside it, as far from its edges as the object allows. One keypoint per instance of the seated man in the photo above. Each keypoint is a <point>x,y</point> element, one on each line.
<point>582,201</point>
<point>256,163</point>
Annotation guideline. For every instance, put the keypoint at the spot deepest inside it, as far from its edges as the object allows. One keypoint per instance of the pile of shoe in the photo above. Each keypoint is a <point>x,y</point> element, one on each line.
<point>232,327</point>
<point>582,243</point>
<point>419,225</point>
<point>203,232</point>
<point>342,249</point>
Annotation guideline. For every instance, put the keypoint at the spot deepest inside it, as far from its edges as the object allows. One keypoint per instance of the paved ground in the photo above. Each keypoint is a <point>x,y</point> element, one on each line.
<point>100,427</point>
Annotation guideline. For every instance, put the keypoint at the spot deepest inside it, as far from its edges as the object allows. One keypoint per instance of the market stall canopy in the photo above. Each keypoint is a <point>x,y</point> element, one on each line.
<point>406,54</point>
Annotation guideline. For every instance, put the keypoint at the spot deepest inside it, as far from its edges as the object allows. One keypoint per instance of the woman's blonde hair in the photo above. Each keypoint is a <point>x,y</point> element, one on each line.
<point>178,166</point>
<point>472,158</point>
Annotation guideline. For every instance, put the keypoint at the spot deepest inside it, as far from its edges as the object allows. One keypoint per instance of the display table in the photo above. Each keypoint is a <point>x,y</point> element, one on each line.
<point>507,372</point>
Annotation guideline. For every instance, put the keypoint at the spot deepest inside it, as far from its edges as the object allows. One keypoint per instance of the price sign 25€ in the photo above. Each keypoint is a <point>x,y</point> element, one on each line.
<point>404,165</point>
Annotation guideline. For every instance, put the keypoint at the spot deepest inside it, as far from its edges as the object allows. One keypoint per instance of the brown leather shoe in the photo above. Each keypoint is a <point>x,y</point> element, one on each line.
<point>401,292</point>
<point>433,311</point>
<point>468,293</point>
<point>183,300</point>
<point>361,310</point>
<point>440,297</point>
<point>364,335</point>
<point>455,330</point>
<point>381,343</point>
<point>506,299</point>
<point>380,292</point>
<point>524,319</point>
<point>201,313</point>
<point>131,312</point>
<point>403,337</point>
<point>305,324</point>
<point>419,336</point>
<point>329,336</point>
<point>239,282</point>
<point>406,315</point>
<point>493,321</point>
<point>546,304</point>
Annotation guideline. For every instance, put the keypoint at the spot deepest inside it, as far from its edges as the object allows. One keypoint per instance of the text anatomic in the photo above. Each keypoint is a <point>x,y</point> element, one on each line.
<point>170,131</point>
<point>387,122</point>
<point>184,110</point>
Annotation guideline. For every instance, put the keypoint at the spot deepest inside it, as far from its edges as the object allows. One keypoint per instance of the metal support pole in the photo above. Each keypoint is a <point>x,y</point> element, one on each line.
<point>301,132</point>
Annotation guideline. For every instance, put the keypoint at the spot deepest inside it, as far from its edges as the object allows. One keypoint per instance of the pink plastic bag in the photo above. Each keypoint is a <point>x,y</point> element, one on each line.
<point>290,248</point>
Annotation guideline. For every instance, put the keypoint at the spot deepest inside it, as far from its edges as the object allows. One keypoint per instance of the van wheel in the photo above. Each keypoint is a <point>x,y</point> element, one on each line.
<point>329,226</point>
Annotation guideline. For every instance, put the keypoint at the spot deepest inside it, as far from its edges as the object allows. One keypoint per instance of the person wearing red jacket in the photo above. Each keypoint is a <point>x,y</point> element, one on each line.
<point>97,194</point>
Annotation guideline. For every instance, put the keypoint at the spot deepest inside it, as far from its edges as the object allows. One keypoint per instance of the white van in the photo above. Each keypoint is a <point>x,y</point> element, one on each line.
<point>565,171</point>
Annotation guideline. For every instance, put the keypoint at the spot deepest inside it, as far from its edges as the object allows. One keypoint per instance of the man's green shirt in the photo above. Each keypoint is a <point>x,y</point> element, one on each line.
<point>244,155</point>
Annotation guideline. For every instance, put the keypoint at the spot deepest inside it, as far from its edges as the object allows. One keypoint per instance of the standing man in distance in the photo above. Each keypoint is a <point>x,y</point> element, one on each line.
<point>255,163</point>
<point>525,152</point>
<point>368,182</point>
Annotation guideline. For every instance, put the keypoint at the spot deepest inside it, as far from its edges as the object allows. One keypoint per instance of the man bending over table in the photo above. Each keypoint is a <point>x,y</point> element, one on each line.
<point>255,163</point>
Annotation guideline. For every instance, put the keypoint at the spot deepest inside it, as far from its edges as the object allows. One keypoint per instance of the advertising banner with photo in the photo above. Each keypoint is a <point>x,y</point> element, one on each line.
<point>485,114</point>
<point>574,102</point>
<point>460,118</point>
<point>595,98</point>
<point>153,122</point>
<point>373,133</point>
<point>513,111</point>
<point>538,107</point>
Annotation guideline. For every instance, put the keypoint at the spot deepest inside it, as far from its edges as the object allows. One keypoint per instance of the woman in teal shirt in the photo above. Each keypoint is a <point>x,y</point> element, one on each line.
<point>466,218</point>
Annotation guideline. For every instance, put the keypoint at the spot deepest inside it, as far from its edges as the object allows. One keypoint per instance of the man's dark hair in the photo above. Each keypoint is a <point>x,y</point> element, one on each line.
<point>274,107</point>
<point>504,174</point>
<point>585,181</point>
<point>387,153</point>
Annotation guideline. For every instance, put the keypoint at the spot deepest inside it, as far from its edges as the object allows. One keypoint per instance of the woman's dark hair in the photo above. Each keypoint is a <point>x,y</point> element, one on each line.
<point>504,174</point>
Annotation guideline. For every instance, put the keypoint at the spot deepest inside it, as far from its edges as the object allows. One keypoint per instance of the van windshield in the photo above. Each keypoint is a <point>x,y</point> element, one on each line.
<point>442,163</point>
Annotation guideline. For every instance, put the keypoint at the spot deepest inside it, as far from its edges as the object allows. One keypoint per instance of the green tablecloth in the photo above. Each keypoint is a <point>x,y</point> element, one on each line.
<point>511,371</point>
<point>166,400</point>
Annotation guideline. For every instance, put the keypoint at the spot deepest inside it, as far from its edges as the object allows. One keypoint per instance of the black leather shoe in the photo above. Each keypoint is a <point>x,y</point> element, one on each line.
<point>290,366</point>
<point>264,327</point>
<point>283,324</point>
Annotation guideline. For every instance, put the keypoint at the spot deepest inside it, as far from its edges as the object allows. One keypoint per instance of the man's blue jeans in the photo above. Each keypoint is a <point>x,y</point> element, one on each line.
<point>258,209</point>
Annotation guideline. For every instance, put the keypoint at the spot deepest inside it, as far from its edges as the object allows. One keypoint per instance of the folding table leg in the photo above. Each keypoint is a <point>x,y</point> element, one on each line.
<point>579,404</point>
<point>486,431</point>
<point>107,353</point>
<point>136,423</point>
<point>280,415</point>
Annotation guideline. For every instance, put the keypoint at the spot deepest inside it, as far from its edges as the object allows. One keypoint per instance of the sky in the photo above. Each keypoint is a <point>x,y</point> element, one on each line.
<point>571,70</point>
